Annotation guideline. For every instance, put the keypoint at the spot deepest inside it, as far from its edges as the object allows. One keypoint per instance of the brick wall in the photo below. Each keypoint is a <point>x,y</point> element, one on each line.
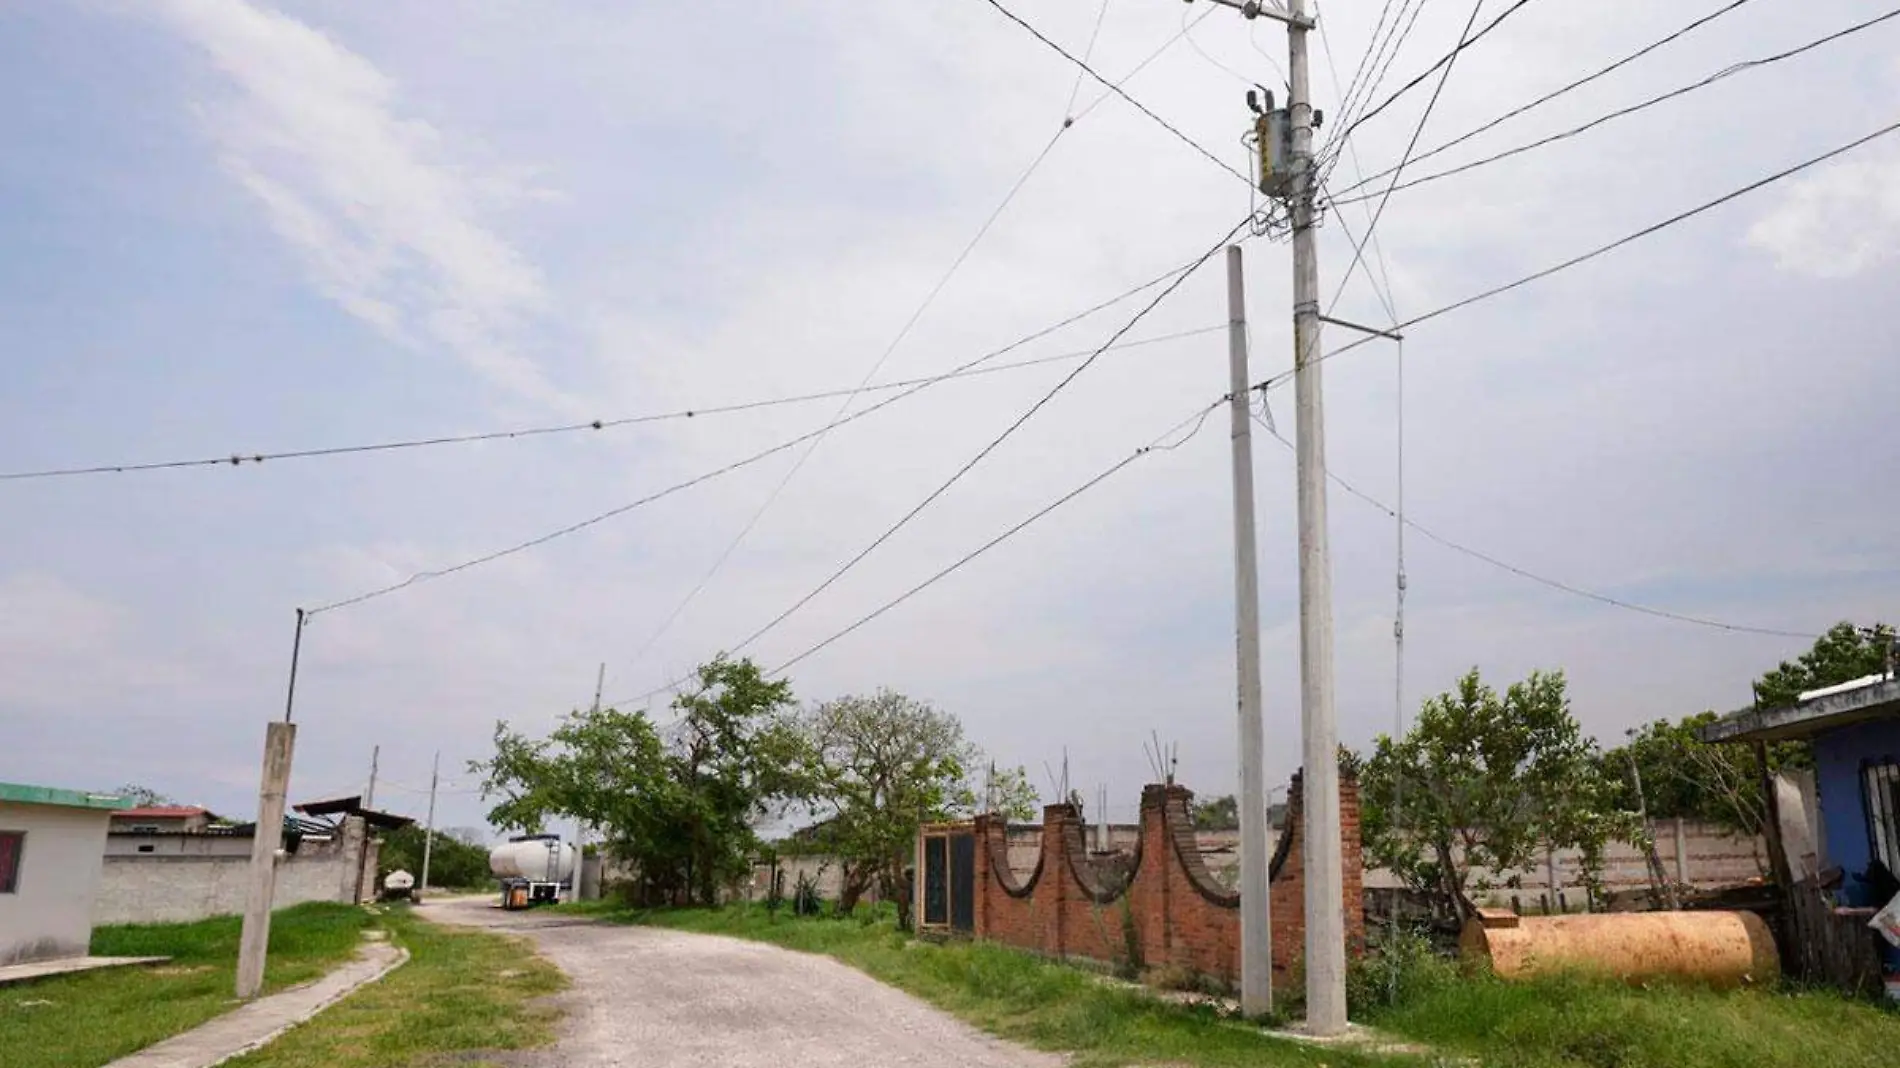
<point>1171,907</point>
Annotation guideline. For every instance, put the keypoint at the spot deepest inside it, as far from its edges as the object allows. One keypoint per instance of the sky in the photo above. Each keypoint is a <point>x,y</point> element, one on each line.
<point>236,227</point>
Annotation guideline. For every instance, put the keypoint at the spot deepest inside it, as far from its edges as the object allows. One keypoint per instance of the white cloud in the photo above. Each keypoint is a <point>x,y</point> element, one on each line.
<point>1836,224</point>
<point>388,220</point>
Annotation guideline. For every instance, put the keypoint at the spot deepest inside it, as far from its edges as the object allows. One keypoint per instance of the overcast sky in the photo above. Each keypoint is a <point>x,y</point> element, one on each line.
<point>239,227</point>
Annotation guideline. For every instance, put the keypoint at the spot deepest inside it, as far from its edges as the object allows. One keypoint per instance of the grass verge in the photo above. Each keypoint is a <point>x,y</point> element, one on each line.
<point>464,994</point>
<point>85,1020</point>
<point>1015,995</point>
<point>1584,1023</point>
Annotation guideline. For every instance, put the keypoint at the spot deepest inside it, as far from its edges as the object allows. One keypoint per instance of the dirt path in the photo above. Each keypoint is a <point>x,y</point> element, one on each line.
<point>644,996</point>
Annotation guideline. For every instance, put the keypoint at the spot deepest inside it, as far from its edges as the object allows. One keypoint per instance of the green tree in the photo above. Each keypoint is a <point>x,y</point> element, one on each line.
<point>453,864</point>
<point>683,811</point>
<point>1484,781</point>
<point>1845,653</point>
<point>883,765</point>
<point>1009,793</point>
<point>1217,813</point>
<point>1684,776</point>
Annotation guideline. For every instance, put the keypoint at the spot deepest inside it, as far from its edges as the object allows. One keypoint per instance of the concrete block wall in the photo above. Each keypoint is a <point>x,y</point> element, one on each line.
<point>1172,907</point>
<point>182,887</point>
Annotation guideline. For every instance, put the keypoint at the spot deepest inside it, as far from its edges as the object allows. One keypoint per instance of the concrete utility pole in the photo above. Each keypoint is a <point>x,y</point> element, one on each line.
<point>1325,876</point>
<point>369,804</point>
<point>1256,925</point>
<point>580,826</point>
<point>280,740</point>
<point>428,835</point>
<point>1287,174</point>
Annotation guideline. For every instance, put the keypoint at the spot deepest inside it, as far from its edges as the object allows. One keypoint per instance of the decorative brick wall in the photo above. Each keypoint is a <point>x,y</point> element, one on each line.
<point>1172,908</point>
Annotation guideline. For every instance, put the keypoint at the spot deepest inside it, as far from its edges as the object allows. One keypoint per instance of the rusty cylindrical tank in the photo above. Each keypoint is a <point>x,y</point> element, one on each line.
<point>1723,948</point>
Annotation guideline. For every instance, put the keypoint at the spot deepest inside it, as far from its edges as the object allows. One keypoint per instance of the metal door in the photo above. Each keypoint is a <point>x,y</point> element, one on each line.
<point>963,882</point>
<point>936,872</point>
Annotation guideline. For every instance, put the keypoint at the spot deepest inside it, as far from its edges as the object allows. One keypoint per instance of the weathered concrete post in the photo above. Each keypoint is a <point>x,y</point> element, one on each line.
<point>254,945</point>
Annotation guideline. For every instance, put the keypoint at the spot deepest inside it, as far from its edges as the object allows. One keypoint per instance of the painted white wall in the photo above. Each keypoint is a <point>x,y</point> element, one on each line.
<point>50,915</point>
<point>186,884</point>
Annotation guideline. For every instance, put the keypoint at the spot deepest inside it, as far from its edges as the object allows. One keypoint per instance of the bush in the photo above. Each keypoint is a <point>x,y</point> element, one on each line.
<point>1405,966</point>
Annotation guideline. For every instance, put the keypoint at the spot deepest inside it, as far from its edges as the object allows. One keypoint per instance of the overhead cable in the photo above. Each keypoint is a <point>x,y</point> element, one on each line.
<point>1574,261</point>
<point>1344,196</point>
<point>1177,275</point>
<point>1579,83</point>
<point>969,370</point>
<point>1199,419</point>
<point>1117,90</point>
<point>1565,587</point>
<point>1446,60</point>
<point>994,443</point>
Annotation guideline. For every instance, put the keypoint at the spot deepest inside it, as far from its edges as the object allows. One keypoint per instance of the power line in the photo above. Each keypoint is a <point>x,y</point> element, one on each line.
<point>1143,65</point>
<point>1578,591</point>
<point>1579,83</point>
<point>1372,47</point>
<point>1118,91</point>
<point>1464,41</point>
<point>995,442</point>
<point>1199,419</point>
<point>799,464</point>
<point>1359,93</point>
<point>1178,274</point>
<point>1574,261</point>
<point>1632,109</point>
<point>1101,14</point>
<point>969,370</point>
<point>1443,61</point>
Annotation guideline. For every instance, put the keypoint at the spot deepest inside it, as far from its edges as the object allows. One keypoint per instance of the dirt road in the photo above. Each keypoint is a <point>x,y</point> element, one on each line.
<point>644,996</point>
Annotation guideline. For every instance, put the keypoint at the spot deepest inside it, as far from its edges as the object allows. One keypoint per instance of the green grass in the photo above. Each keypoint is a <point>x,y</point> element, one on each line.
<point>463,996</point>
<point>1013,995</point>
<point>80,1021</point>
<point>1584,1023</point>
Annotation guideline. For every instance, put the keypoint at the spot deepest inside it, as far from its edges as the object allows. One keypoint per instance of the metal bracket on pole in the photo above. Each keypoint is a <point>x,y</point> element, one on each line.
<point>1390,335</point>
<point>1254,9</point>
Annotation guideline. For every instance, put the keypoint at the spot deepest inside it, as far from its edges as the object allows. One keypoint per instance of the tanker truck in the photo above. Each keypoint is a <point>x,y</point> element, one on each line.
<point>532,868</point>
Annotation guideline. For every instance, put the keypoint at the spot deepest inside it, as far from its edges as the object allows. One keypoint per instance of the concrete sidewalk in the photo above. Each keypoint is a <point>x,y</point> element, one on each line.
<point>244,1029</point>
<point>46,969</point>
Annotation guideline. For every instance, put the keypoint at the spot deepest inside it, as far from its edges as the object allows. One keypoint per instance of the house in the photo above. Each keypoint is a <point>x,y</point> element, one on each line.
<point>1853,730</point>
<point>163,819</point>
<point>52,849</point>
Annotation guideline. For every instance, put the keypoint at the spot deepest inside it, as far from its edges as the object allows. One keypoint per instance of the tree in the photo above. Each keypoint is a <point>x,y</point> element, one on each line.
<point>683,810</point>
<point>882,766</point>
<point>452,862</point>
<point>1684,776</point>
<point>1845,653</point>
<point>142,796</point>
<point>1483,781</point>
<point>1217,813</point>
<point>1009,794</point>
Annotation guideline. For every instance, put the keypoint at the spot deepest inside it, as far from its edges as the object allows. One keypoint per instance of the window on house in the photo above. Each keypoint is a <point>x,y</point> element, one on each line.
<point>12,844</point>
<point>1881,783</point>
<point>145,828</point>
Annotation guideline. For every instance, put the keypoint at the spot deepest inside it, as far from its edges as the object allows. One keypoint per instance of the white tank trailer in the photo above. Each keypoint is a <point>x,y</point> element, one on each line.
<point>532,869</point>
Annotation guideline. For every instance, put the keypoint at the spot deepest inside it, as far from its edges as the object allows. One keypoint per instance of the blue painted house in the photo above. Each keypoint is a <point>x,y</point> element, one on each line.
<point>1854,732</point>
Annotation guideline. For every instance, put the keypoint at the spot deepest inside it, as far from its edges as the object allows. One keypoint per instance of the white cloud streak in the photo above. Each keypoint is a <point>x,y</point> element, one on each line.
<point>388,221</point>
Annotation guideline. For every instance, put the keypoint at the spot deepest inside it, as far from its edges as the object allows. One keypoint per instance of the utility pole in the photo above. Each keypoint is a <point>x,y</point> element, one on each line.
<point>267,839</point>
<point>1286,173</point>
<point>580,826</point>
<point>428,835</point>
<point>369,804</point>
<point>1256,926</point>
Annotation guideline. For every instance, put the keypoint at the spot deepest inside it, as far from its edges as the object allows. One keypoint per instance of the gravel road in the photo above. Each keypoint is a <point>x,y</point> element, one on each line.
<point>643,996</point>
